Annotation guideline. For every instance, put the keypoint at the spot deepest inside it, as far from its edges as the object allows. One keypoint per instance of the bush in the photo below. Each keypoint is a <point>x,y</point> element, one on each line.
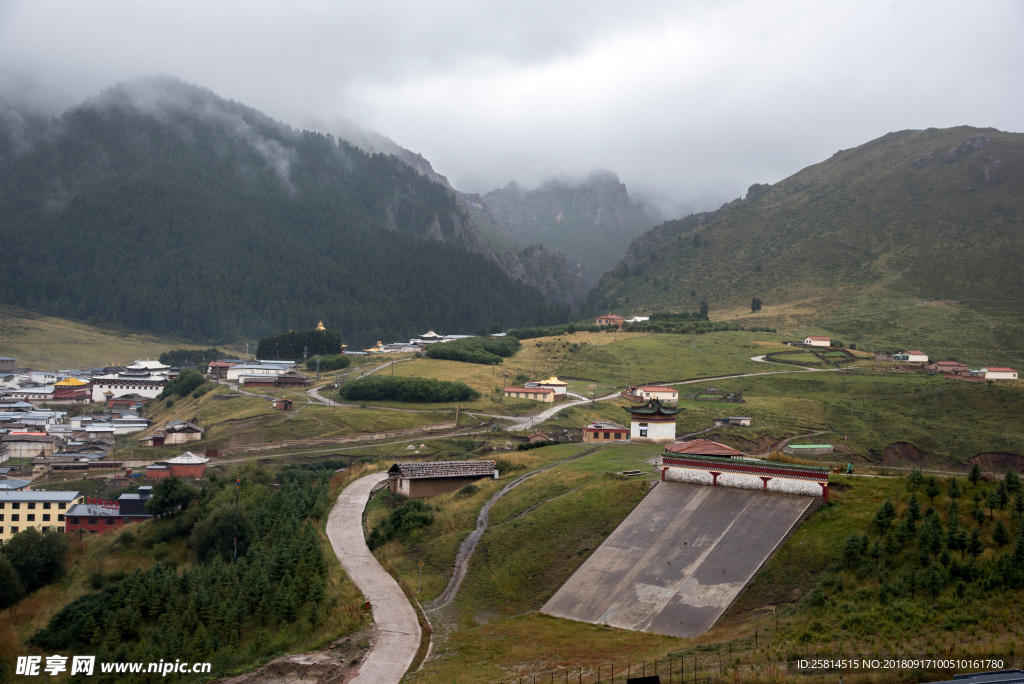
<point>483,350</point>
<point>401,524</point>
<point>330,362</point>
<point>11,590</point>
<point>200,357</point>
<point>37,557</point>
<point>467,491</point>
<point>384,388</point>
<point>183,385</point>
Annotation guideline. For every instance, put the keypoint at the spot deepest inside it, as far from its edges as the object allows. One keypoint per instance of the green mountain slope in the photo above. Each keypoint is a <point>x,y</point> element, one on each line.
<point>162,207</point>
<point>934,214</point>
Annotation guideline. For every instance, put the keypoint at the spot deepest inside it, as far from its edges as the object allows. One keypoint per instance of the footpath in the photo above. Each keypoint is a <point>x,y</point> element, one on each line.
<point>396,634</point>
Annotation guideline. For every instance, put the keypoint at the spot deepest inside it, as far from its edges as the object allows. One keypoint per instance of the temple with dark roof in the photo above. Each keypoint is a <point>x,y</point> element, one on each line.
<point>652,422</point>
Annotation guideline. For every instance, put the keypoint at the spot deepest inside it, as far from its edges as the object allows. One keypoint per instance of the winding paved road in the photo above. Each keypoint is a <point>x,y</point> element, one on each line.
<point>397,630</point>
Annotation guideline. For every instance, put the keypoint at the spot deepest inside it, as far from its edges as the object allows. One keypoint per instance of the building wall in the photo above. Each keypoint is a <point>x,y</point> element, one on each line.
<point>547,398</point>
<point>656,432</point>
<point>741,481</point>
<point>97,524</point>
<point>28,449</point>
<point>598,436</point>
<point>667,397</point>
<point>422,488</point>
<point>39,513</point>
<point>157,474</point>
<point>817,343</point>
<point>148,390</point>
<point>187,470</point>
<point>182,437</point>
<point>1000,375</point>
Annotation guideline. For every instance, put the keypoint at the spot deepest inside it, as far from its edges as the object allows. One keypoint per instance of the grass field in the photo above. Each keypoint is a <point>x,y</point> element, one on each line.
<point>48,343</point>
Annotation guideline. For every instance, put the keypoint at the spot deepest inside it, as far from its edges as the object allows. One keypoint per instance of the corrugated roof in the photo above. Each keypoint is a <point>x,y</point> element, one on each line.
<point>432,469</point>
<point>657,388</point>
<point>533,390</point>
<point>28,438</point>
<point>702,447</point>
<point>999,369</point>
<point>58,496</point>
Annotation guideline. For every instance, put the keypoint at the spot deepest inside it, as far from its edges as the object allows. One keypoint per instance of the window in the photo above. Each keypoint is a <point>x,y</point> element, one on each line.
<point>1,517</point>
<point>31,517</point>
<point>46,506</point>
<point>32,505</point>
<point>46,517</point>
<point>14,517</point>
<point>62,506</point>
<point>15,505</point>
<point>14,530</point>
<point>72,520</point>
<point>607,435</point>
<point>643,433</point>
<point>93,521</point>
<point>2,504</point>
<point>618,435</point>
<point>60,518</point>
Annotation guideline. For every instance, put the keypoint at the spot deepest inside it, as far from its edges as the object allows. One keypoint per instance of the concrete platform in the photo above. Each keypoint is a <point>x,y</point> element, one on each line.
<point>680,558</point>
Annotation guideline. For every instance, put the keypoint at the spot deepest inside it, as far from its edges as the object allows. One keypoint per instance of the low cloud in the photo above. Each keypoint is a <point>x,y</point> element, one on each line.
<point>689,103</point>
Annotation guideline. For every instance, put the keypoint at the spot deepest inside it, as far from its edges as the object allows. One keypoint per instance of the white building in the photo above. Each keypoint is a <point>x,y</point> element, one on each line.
<point>666,395</point>
<point>999,373</point>
<point>652,422</point>
<point>912,356</point>
<point>144,383</point>
<point>249,369</point>
<point>817,341</point>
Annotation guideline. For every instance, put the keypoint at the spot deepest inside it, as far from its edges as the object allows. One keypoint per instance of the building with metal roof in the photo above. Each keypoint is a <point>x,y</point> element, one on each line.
<point>420,480</point>
<point>41,510</point>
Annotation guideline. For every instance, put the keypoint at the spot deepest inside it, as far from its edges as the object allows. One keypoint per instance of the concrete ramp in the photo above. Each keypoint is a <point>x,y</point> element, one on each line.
<point>680,558</point>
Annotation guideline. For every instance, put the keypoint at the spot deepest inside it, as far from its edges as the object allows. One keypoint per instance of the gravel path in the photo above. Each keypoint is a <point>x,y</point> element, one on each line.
<point>397,630</point>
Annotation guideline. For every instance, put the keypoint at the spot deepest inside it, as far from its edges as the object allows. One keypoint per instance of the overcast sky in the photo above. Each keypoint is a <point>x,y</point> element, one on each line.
<point>687,101</point>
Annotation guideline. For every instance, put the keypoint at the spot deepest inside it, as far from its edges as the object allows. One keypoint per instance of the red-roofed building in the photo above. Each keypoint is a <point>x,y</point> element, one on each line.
<point>535,393</point>
<point>611,319</point>
<point>702,447</point>
<point>817,341</point>
<point>946,366</point>
<point>999,373</point>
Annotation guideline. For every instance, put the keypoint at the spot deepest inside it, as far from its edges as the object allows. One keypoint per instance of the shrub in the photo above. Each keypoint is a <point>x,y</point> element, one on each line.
<point>467,491</point>
<point>37,557</point>
<point>331,362</point>
<point>384,388</point>
<point>401,524</point>
<point>187,382</point>
<point>483,350</point>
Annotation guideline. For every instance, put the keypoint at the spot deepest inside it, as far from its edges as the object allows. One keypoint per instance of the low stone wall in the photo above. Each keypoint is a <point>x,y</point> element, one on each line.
<point>333,441</point>
<point>766,476</point>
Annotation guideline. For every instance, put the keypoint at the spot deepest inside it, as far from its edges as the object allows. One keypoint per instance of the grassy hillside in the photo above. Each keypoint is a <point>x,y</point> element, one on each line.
<point>887,598</point>
<point>914,215</point>
<point>46,342</point>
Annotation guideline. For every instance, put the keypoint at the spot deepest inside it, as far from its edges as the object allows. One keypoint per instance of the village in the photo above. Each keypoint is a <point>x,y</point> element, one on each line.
<point>94,453</point>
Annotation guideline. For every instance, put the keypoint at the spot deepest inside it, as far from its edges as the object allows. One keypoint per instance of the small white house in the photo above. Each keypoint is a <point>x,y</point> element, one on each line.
<point>666,395</point>
<point>999,373</point>
<point>912,356</point>
<point>817,341</point>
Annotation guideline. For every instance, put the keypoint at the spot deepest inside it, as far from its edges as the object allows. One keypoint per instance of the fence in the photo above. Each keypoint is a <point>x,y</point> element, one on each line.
<point>333,441</point>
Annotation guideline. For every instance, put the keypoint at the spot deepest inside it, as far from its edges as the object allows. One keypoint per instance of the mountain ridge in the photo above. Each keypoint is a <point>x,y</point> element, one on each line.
<point>162,207</point>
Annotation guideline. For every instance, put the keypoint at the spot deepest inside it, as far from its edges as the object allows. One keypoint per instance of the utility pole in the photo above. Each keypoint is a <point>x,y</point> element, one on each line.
<point>318,368</point>
<point>305,352</point>
<point>238,484</point>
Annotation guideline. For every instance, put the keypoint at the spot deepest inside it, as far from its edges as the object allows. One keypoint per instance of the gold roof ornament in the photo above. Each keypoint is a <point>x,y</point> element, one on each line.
<point>320,326</point>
